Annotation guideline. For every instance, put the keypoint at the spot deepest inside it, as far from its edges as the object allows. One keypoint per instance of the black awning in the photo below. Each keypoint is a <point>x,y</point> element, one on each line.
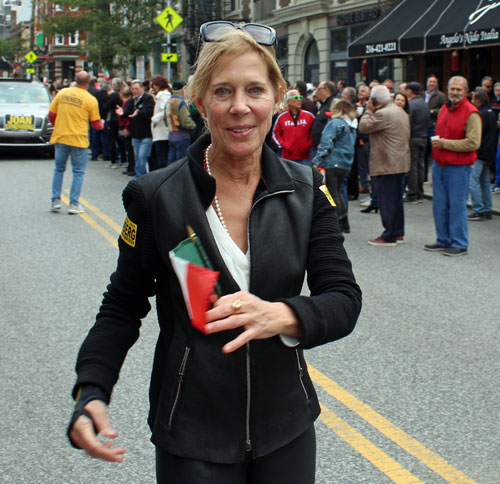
<point>383,37</point>
<point>431,25</point>
<point>465,24</point>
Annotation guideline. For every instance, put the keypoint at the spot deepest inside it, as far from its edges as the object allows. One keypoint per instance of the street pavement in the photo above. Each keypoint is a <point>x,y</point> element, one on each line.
<point>411,396</point>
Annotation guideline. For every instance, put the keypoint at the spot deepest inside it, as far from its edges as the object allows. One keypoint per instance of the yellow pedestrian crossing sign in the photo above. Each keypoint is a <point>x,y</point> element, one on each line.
<point>169,57</point>
<point>30,71</point>
<point>169,19</point>
<point>31,57</point>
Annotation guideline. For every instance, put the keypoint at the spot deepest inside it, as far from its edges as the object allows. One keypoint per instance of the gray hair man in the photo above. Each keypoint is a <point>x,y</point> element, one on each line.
<point>389,130</point>
<point>458,136</point>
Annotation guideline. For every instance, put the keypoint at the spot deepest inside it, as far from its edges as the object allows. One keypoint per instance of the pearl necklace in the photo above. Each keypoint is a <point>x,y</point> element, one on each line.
<point>215,203</point>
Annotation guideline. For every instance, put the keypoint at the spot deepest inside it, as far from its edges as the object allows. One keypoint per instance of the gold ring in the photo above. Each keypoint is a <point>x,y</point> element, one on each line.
<point>237,305</point>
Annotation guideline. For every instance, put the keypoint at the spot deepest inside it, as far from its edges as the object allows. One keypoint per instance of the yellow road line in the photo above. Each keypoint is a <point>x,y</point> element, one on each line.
<point>392,469</point>
<point>398,436</point>
<point>110,238</point>
<point>372,453</point>
<point>108,220</point>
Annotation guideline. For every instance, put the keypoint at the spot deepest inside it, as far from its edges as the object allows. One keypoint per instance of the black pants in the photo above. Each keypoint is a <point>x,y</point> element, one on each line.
<point>333,180</point>
<point>127,152</point>
<point>416,174</point>
<point>390,202</point>
<point>112,138</point>
<point>295,463</point>
<point>160,149</point>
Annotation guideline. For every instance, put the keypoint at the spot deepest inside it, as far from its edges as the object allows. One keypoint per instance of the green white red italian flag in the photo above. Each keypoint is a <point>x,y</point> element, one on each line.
<point>197,282</point>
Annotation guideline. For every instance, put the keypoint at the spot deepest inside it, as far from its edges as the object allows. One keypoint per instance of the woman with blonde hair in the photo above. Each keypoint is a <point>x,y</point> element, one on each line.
<point>231,401</point>
<point>335,153</point>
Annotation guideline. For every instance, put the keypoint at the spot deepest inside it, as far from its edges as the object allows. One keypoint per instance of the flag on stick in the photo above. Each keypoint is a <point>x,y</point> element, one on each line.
<point>196,277</point>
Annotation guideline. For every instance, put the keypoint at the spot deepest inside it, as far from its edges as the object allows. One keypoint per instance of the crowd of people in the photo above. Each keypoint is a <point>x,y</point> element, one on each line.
<point>149,125</point>
<point>363,144</point>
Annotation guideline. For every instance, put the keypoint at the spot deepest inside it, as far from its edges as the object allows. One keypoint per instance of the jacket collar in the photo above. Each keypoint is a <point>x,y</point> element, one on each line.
<point>274,178</point>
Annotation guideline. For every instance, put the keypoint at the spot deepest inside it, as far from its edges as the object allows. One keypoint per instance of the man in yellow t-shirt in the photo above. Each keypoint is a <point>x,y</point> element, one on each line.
<point>70,112</point>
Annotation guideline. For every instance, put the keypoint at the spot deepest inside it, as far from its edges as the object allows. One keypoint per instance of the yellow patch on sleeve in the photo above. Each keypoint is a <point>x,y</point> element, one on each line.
<point>129,232</point>
<point>325,190</point>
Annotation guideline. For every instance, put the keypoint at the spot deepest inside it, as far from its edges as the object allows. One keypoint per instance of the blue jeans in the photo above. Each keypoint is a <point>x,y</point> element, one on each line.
<point>79,157</point>
<point>306,162</point>
<point>449,202</point>
<point>142,150</point>
<point>177,149</point>
<point>98,143</point>
<point>480,191</point>
<point>497,165</point>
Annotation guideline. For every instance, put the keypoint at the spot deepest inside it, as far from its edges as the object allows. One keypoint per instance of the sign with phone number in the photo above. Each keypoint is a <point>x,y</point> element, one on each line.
<point>381,48</point>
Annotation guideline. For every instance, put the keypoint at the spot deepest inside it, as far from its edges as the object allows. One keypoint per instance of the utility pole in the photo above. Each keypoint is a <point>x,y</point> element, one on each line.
<point>169,68</point>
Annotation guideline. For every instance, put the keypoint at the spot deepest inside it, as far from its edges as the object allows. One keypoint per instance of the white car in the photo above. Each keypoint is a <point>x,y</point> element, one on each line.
<point>24,114</point>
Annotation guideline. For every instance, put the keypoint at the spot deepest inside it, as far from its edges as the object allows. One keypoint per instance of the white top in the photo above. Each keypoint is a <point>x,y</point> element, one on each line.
<point>159,129</point>
<point>236,261</point>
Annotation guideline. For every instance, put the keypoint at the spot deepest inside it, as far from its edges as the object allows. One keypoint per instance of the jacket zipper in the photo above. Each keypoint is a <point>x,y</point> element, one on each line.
<point>270,195</point>
<point>301,374</point>
<point>180,377</point>
<point>248,439</point>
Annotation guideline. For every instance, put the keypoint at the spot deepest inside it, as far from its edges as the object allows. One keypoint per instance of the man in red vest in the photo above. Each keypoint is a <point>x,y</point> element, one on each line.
<point>458,136</point>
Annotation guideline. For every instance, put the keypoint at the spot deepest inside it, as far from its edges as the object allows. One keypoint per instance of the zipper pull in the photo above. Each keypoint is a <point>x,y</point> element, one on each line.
<point>248,446</point>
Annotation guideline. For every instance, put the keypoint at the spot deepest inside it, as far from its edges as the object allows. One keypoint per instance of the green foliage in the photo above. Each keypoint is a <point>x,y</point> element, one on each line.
<point>116,31</point>
<point>10,48</point>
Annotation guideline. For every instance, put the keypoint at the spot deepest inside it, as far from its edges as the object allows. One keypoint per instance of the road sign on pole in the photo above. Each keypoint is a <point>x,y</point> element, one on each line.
<point>169,57</point>
<point>31,57</point>
<point>169,19</point>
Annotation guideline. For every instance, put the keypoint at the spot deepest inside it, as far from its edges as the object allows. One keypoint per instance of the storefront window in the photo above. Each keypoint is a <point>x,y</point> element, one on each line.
<point>282,54</point>
<point>340,66</point>
<point>338,41</point>
<point>339,70</point>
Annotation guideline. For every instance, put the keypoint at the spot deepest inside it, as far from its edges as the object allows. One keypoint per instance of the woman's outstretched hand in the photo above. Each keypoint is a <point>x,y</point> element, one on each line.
<point>83,435</point>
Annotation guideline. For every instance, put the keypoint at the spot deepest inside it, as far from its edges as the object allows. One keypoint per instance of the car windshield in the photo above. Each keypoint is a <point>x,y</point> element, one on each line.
<point>23,93</point>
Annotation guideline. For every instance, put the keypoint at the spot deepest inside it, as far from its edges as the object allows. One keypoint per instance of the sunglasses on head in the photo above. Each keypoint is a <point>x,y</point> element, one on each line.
<point>214,31</point>
<point>295,97</point>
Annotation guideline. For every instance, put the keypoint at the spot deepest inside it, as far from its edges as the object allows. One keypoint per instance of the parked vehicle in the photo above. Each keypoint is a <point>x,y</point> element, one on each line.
<point>24,114</point>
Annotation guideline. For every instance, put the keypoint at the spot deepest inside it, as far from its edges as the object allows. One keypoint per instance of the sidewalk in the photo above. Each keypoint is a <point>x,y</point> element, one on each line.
<point>494,196</point>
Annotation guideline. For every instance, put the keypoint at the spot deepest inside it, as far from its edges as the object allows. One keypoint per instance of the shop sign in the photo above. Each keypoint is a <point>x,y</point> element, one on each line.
<point>470,38</point>
<point>381,48</point>
<point>358,17</point>
<point>454,40</point>
<point>478,37</point>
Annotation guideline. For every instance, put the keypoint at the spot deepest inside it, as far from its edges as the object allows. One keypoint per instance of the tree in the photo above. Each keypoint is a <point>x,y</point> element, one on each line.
<point>10,48</point>
<point>116,31</point>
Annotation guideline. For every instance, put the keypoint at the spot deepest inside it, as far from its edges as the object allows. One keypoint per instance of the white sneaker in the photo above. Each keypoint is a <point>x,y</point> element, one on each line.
<point>75,209</point>
<point>55,206</point>
<point>366,202</point>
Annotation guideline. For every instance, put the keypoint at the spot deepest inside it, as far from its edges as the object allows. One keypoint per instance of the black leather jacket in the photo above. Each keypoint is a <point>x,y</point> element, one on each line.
<point>205,404</point>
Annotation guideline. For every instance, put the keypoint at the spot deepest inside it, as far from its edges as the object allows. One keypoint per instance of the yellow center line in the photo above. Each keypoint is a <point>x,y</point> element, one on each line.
<point>110,238</point>
<point>392,469</point>
<point>366,448</point>
<point>398,436</point>
<point>108,220</point>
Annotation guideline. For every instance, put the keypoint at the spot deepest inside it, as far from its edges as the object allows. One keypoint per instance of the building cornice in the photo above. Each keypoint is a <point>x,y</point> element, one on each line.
<point>307,9</point>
